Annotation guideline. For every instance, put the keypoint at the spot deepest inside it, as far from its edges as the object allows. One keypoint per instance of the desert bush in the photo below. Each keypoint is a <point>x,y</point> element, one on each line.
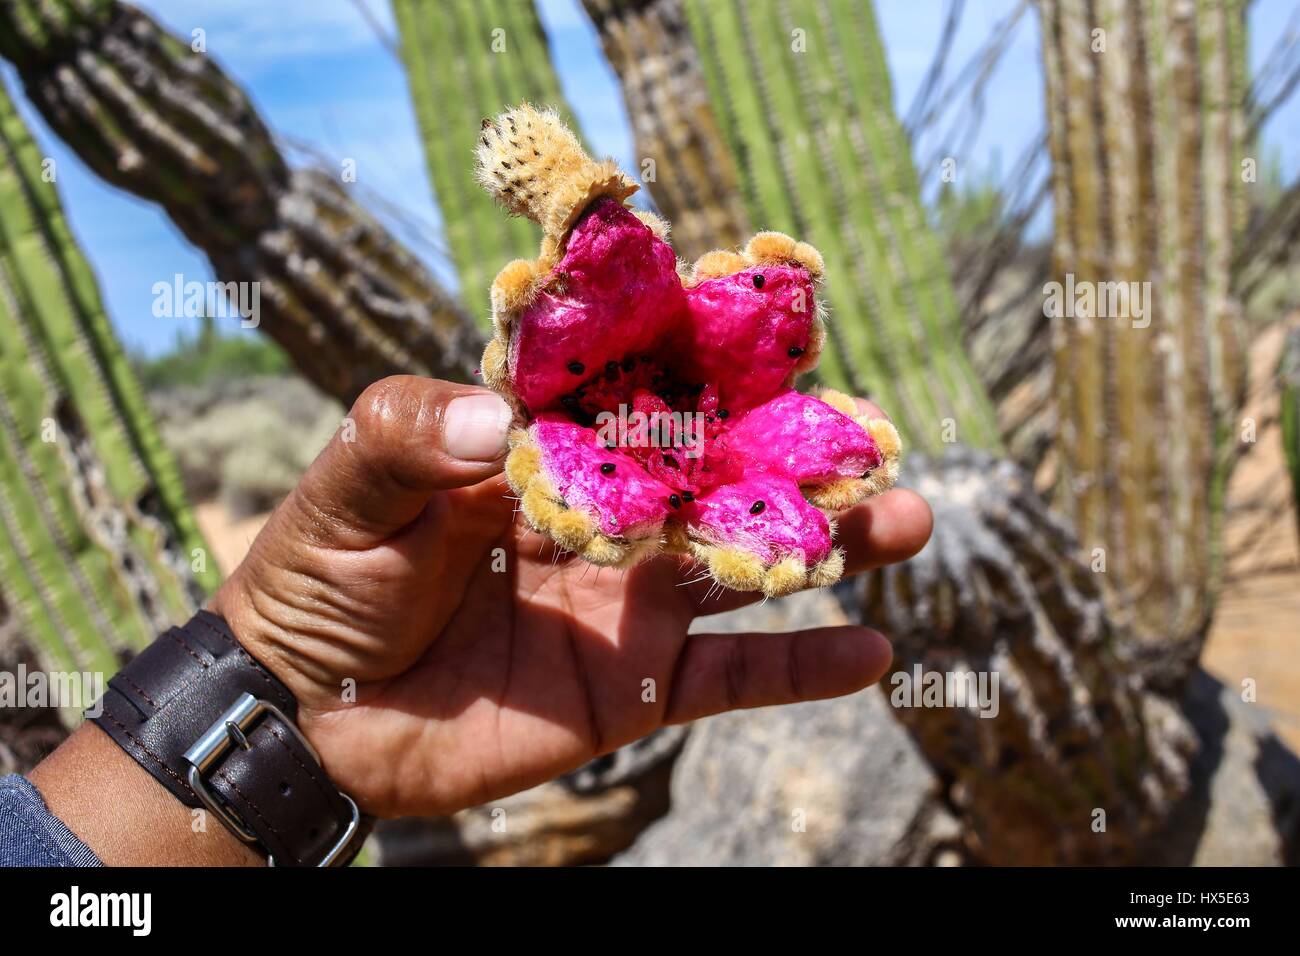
<point>245,442</point>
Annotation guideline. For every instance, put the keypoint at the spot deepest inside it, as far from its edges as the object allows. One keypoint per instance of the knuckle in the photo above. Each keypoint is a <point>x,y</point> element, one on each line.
<point>398,408</point>
<point>734,666</point>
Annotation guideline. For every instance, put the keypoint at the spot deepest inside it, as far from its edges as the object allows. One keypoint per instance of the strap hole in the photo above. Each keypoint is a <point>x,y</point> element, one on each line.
<point>284,789</point>
<point>313,833</point>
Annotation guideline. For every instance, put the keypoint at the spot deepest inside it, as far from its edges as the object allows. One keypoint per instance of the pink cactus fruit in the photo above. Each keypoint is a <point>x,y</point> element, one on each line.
<point>657,410</point>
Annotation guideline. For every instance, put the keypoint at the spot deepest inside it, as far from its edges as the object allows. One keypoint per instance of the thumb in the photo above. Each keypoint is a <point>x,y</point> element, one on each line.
<point>405,439</point>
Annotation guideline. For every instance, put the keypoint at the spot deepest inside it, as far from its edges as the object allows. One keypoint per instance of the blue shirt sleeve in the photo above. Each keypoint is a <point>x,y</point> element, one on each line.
<point>32,836</point>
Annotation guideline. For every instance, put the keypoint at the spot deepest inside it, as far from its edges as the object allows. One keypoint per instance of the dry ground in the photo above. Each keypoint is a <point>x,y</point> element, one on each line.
<point>1256,632</point>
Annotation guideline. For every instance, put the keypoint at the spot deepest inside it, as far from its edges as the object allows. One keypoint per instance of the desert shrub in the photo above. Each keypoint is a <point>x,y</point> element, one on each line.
<point>207,356</point>
<point>245,442</point>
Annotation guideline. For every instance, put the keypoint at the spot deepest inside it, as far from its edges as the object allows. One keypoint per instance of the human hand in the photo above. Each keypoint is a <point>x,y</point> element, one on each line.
<point>481,661</point>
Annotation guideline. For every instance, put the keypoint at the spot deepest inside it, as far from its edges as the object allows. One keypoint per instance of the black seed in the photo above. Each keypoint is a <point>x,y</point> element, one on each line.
<point>675,501</point>
<point>607,468</point>
<point>687,496</point>
<point>569,401</point>
<point>794,352</point>
<point>708,418</point>
<point>629,364</point>
<point>670,461</point>
<point>577,368</point>
<point>758,281</point>
<point>645,359</point>
<point>723,413</point>
<point>611,366</point>
<point>757,508</point>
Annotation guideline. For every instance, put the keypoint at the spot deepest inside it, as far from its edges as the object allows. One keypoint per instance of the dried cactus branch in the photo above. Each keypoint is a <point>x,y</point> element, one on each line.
<point>1001,591</point>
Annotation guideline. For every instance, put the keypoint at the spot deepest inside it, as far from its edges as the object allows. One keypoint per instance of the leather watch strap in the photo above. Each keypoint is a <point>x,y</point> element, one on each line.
<point>197,690</point>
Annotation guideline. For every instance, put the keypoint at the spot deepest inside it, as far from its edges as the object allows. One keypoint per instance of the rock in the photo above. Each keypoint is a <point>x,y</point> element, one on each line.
<point>826,783</point>
<point>834,782</point>
<point>1244,805</point>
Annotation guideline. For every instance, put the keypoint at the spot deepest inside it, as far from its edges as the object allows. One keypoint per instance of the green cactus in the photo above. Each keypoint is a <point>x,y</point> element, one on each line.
<point>96,539</point>
<point>694,179</point>
<point>467,60</point>
<point>804,98</point>
<point>1289,412</point>
<point>1146,143</point>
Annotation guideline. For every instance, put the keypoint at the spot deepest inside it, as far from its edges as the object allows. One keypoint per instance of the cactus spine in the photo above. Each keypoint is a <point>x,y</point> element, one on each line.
<point>1146,140</point>
<point>96,540</point>
<point>467,60</point>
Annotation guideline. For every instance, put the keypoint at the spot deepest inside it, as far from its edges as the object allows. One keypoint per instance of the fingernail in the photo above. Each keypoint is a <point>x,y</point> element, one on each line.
<point>475,427</point>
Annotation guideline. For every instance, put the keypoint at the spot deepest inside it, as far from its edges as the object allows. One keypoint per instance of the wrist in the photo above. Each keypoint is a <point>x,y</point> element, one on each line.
<point>126,816</point>
<point>208,722</point>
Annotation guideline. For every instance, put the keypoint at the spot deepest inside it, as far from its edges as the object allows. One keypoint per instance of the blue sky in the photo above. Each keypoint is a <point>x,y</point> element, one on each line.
<point>321,77</point>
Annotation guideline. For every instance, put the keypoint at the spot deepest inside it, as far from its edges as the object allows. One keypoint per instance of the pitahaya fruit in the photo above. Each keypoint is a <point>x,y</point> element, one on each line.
<point>655,401</point>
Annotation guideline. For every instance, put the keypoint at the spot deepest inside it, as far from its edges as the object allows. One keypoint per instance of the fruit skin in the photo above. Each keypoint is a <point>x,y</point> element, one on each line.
<point>738,470</point>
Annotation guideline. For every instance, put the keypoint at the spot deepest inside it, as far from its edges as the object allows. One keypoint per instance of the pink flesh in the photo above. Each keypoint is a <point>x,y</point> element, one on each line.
<point>803,437</point>
<point>625,502</point>
<point>614,293</point>
<point>787,524</point>
<point>739,337</point>
<point>615,332</point>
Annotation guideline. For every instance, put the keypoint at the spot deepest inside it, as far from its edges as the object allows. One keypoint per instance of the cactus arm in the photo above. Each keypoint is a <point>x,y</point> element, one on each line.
<point>741,87</point>
<point>152,117</point>
<point>821,154</point>
<point>695,183</point>
<point>1144,461</point>
<point>97,537</point>
<point>456,80</point>
<point>437,78</point>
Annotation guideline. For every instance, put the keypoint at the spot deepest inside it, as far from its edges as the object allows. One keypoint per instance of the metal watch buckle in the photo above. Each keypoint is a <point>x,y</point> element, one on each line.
<point>232,728</point>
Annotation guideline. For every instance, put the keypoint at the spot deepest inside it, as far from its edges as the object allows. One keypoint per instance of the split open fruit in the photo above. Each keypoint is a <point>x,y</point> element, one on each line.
<point>656,401</point>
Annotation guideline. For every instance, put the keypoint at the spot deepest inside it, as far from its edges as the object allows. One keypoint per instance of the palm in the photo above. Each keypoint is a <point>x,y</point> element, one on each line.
<point>442,655</point>
<point>542,663</point>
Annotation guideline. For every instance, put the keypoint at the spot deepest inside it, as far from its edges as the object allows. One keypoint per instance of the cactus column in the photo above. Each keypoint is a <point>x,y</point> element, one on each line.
<point>803,95</point>
<point>1144,108</point>
<point>694,179</point>
<point>96,540</point>
<point>467,60</point>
